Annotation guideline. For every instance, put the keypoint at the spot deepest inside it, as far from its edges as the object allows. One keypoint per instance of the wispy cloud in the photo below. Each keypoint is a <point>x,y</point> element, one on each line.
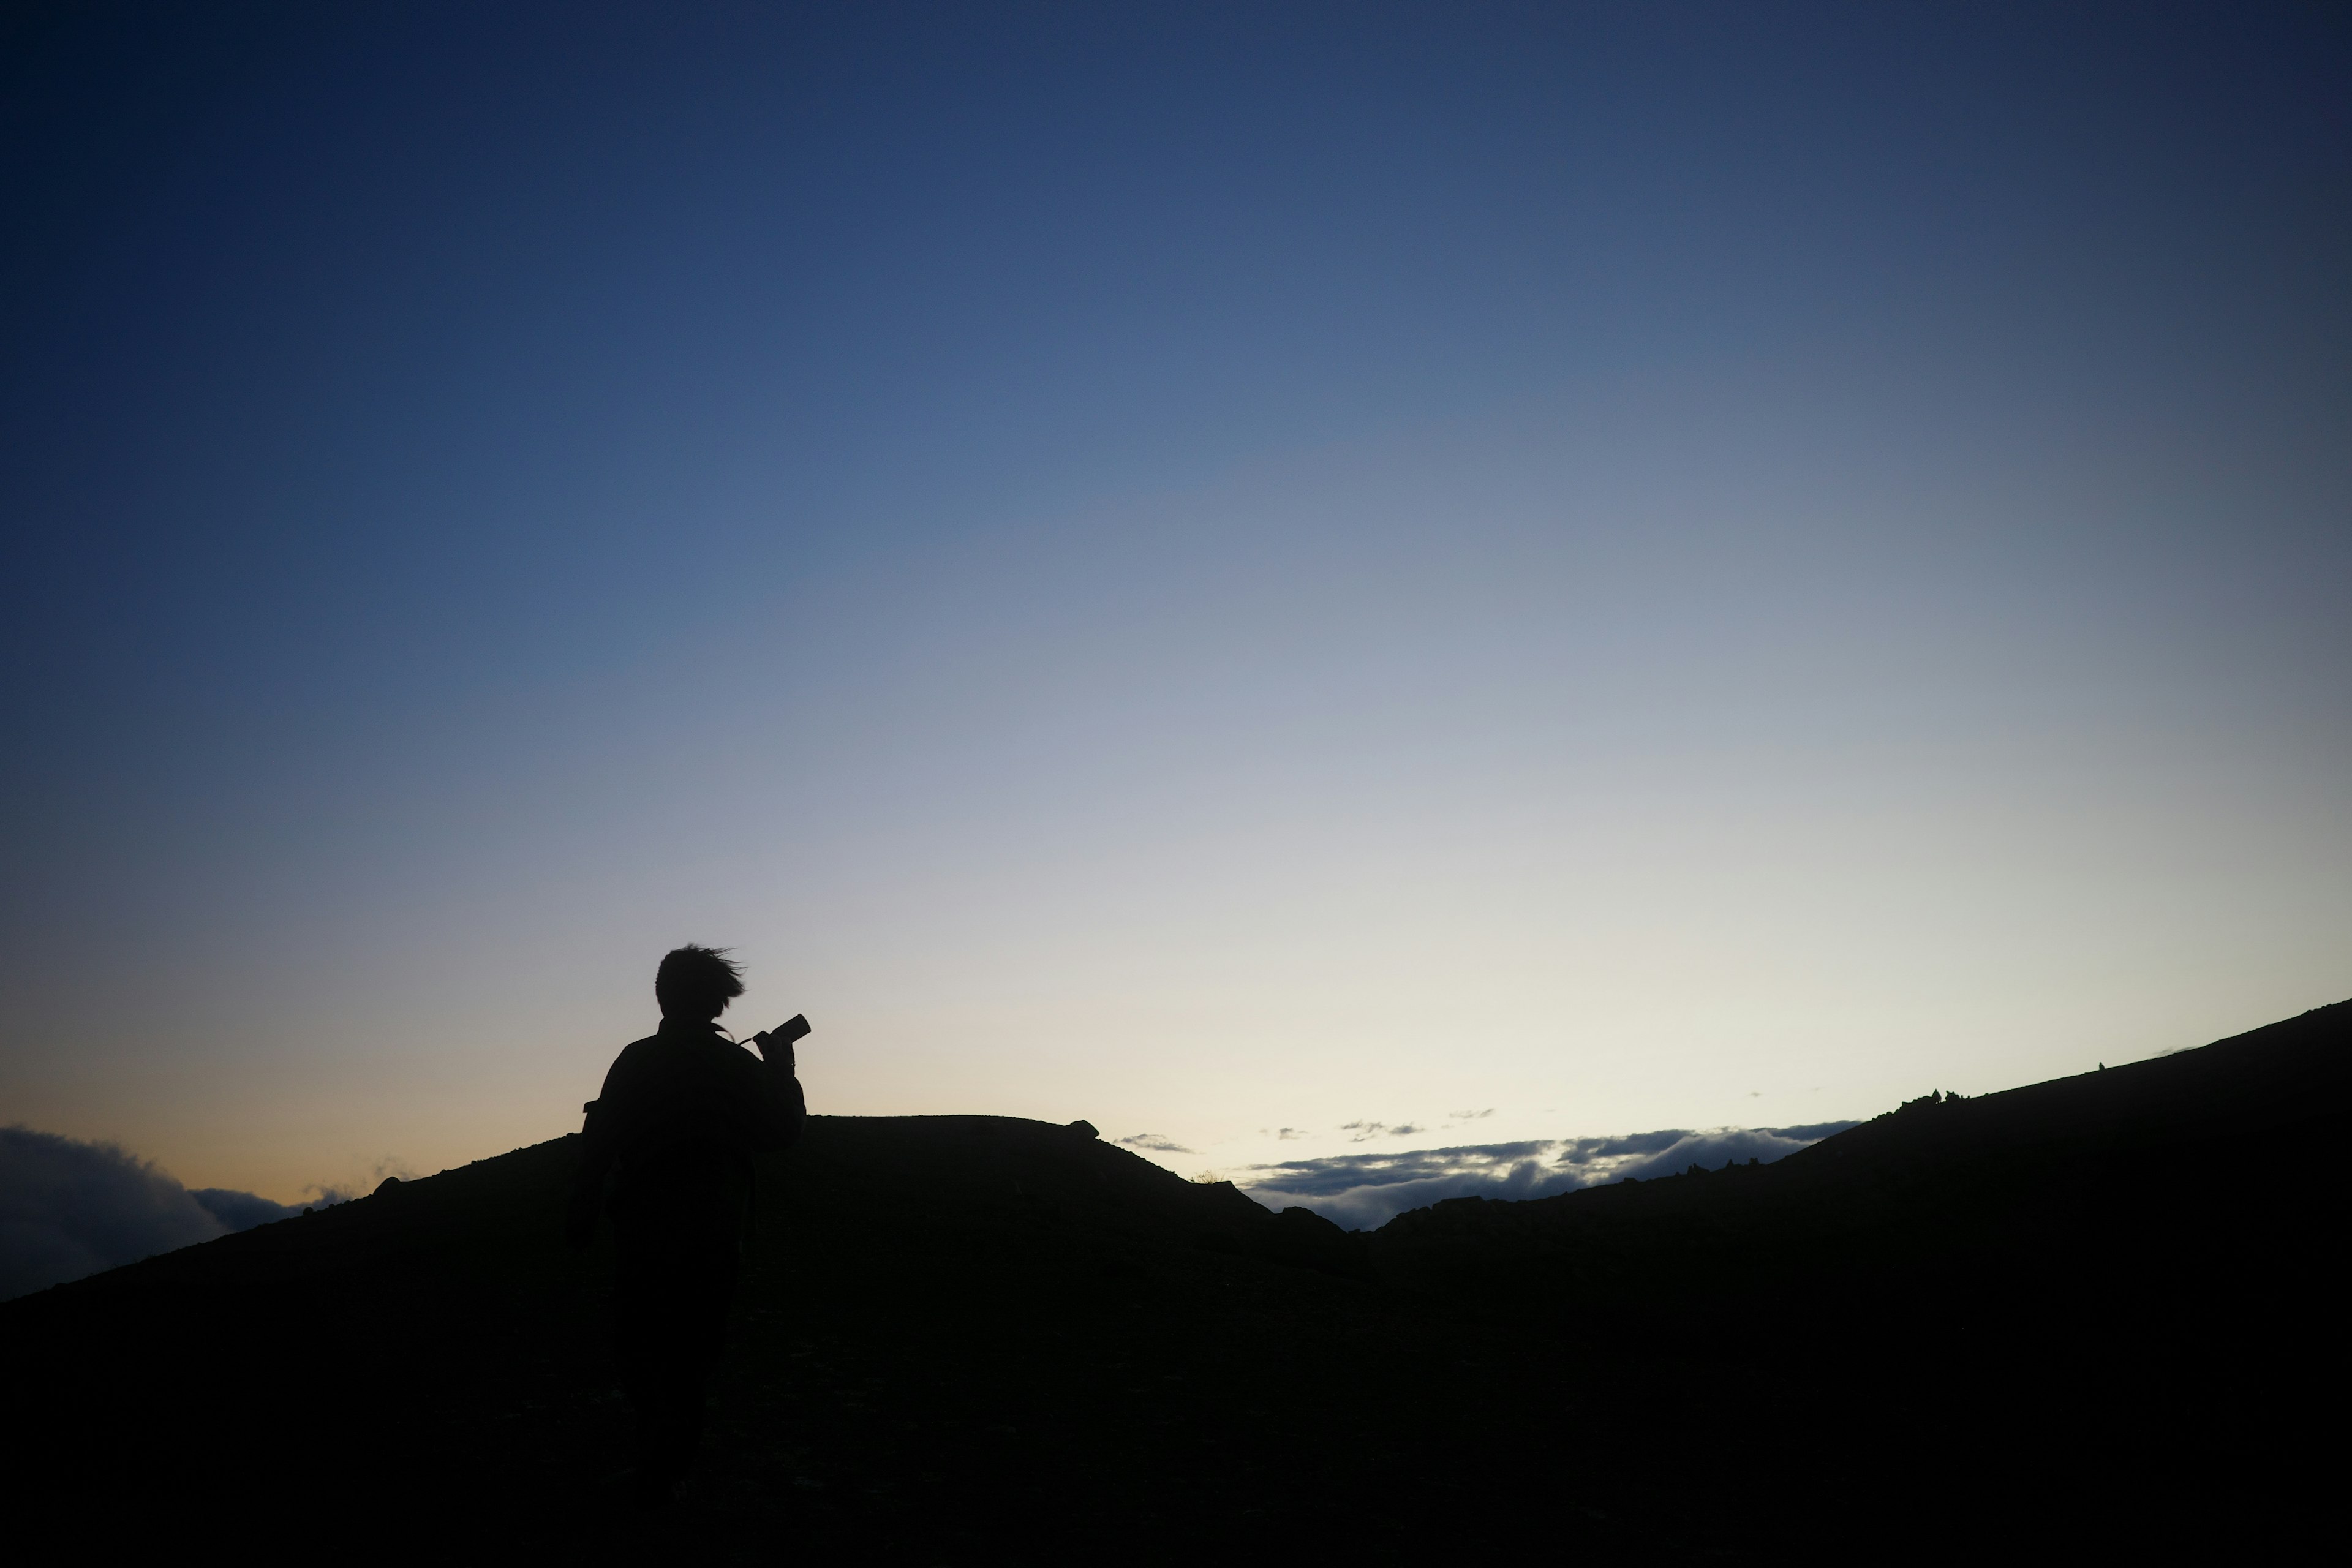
<point>1366,1191</point>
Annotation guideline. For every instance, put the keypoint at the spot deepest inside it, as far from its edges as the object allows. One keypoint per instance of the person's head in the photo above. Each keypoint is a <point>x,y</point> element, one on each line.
<point>694,985</point>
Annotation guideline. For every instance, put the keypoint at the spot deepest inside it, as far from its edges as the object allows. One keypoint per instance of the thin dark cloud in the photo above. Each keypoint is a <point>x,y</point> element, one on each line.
<point>1364,1191</point>
<point>1155,1142</point>
<point>68,1208</point>
<point>1812,1131</point>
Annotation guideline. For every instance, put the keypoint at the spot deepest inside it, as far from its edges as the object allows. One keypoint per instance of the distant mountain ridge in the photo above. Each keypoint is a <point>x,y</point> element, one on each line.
<point>2276,1076</point>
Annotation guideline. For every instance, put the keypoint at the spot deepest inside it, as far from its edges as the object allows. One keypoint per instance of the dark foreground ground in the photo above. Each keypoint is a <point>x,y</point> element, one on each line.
<point>2098,1315</point>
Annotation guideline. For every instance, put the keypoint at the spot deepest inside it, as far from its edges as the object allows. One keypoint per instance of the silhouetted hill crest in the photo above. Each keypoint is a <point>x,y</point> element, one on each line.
<point>960,1331</point>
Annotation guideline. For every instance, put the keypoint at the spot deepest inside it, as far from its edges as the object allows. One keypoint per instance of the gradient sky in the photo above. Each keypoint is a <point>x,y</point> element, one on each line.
<point>1210,569</point>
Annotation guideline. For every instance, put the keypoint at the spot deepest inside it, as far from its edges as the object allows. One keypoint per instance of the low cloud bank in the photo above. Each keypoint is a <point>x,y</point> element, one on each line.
<point>1364,1191</point>
<point>70,1208</point>
<point>243,1211</point>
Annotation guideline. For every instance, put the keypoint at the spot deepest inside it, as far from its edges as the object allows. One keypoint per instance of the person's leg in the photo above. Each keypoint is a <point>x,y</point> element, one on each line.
<point>677,1269</point>
<point>704,1284</point>
<point>634,1338</point>
<point>646,1330</point>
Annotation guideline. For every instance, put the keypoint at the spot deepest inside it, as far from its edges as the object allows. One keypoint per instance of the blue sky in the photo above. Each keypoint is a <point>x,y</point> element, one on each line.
<point>1210,569</point>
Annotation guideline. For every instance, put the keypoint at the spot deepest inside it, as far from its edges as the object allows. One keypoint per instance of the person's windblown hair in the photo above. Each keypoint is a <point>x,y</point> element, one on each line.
<point>697,983</point>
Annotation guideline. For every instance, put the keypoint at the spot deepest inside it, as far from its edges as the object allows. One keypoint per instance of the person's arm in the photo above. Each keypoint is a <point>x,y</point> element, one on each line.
<point>598,1149</point>
<point>782,1104</point>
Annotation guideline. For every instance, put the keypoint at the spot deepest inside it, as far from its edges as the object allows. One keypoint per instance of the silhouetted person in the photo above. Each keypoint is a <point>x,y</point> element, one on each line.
<point>682,1113</point>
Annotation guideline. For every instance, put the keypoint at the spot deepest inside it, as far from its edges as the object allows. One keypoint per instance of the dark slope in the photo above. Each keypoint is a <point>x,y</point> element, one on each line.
<point>955,1332</point>
<point>2095,1305</point>
<point>2108,1300</point>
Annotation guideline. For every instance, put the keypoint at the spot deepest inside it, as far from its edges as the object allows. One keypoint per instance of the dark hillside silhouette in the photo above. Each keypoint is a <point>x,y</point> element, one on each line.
<point>2090,1310</point>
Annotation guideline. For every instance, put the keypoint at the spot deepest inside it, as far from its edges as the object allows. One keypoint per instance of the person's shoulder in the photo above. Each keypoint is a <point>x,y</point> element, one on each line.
<point>732,1052</point>
<point>633,1057</point>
